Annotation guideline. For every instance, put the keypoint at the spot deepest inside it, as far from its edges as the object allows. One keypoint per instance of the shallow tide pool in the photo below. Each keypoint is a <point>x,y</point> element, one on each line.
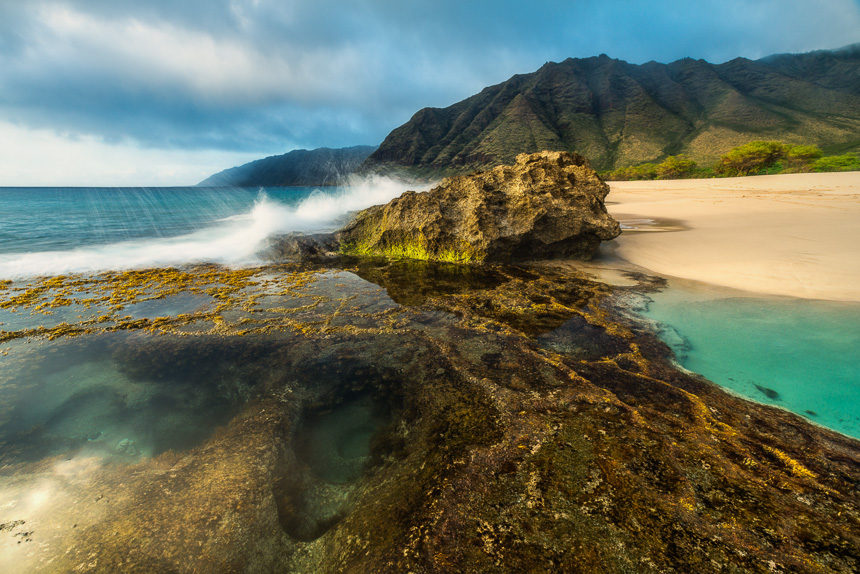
<point>801,355</point>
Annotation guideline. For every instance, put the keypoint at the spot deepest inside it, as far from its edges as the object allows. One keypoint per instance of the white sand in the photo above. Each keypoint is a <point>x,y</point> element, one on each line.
<point>796,235</point>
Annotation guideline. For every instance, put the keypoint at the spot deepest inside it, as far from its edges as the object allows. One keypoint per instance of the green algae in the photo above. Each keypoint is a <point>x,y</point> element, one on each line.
<point>418,249</point>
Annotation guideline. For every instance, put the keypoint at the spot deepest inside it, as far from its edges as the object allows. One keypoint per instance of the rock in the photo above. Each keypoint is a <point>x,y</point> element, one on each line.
<point>299,247</point>
<point>127,447</point>
<point>547,204</point>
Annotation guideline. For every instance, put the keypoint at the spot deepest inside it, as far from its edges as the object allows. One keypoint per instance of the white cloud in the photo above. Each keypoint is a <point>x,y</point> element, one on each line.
<point>160,55</point>
<point>39,157</point>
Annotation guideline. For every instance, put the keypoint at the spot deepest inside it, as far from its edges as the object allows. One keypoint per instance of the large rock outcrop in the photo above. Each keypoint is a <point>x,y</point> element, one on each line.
<point>548,204</point>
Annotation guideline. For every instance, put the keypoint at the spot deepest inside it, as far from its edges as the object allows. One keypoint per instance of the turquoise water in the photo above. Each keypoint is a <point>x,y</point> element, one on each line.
<point>801,355</point>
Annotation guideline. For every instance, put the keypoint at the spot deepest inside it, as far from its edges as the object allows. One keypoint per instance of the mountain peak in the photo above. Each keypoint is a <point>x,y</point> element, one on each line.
<point>617,113</point>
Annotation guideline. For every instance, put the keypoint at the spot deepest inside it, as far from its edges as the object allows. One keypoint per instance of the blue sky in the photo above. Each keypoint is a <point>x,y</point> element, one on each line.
<point>163,92</point>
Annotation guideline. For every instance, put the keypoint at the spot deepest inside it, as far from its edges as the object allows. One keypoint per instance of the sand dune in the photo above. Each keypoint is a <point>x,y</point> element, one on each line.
<point>796,235</point>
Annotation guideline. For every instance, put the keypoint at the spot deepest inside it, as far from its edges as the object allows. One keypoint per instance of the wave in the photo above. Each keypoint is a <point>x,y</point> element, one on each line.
<point>234,240</point>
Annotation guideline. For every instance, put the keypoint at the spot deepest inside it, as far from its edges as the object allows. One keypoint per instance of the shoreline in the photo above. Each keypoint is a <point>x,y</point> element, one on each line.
<point>792,235</point>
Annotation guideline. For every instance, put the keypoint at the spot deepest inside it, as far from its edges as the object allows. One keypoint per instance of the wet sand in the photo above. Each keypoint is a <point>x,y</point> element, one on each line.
<point>796,235</point>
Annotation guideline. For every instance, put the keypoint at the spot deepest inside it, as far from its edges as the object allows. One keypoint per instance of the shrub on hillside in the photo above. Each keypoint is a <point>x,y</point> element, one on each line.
<point>847,162</point>
<point>634,172</point>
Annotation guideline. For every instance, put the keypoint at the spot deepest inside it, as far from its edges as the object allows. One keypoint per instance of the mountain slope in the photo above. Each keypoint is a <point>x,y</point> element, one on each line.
<point>619,114</point>
<point>322,166</point>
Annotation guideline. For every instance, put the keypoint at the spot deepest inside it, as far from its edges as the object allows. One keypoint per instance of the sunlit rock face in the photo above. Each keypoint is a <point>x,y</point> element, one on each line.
<point>547,204</point>
<point>392,417</point>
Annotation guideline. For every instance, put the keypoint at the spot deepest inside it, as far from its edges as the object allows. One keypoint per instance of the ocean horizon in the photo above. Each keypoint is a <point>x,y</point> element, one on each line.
<point>54,230</point>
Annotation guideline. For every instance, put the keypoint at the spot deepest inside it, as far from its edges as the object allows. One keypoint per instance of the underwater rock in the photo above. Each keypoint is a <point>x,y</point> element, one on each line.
<point>768,392</point>
<point>547,204</point>
<point>127,447</point>
<point>300,247</point>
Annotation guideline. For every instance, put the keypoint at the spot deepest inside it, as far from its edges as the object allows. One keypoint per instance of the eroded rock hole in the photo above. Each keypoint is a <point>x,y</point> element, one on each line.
<point>339,437</point>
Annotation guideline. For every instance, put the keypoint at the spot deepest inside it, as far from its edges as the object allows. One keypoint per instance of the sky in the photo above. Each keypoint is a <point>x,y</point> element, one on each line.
<point>166,92</point>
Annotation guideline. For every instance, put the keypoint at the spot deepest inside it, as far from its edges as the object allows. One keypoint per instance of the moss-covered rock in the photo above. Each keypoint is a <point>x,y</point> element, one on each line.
<point>547,204</point>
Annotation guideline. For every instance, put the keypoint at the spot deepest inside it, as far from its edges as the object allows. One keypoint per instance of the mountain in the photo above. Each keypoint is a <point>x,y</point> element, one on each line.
<point>322,166</point>
<point>618,114</point>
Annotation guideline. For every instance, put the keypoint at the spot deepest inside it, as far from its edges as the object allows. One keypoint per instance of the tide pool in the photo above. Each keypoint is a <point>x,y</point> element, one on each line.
<point>801,355</point>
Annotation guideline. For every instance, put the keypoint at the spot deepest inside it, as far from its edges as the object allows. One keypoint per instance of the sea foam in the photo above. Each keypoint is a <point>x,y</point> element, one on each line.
<point>234,240</point>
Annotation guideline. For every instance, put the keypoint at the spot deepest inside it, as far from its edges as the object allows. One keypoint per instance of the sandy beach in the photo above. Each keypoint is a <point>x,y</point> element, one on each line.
<point>796,235</point>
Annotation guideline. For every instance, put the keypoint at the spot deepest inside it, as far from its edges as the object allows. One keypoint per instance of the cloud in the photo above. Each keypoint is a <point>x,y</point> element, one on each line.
<point>265,76</point>
<point>47,158</point>
<point>159,55</point>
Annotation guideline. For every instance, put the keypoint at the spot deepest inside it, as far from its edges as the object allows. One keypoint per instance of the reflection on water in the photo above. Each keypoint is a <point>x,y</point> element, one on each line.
<point>797,354</point>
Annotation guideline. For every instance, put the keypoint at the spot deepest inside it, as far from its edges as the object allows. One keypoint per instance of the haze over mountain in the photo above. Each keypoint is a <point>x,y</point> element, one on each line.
<point>617,113</point>
<point>322,166</point>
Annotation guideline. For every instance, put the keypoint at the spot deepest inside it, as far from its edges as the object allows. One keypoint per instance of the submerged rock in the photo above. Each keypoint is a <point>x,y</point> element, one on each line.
<point>547,204</point>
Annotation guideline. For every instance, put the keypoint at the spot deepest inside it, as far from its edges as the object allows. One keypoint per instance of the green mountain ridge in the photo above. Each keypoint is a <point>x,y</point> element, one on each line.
<point>619,114</point>
<point>321,166</point>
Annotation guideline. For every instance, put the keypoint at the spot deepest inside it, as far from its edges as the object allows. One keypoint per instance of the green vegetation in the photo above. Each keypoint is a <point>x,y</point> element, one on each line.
<point>847,162</point>
<point>751,158</point>
<point>754,158</point>
<point>418,250</point>
<point>803,154</point>
<point>633,173</point>
<point>675,167</point>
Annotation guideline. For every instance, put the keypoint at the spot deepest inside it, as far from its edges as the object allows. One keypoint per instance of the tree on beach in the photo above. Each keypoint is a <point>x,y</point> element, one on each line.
<point>751,158</point>
<point>804,153</point>
<point>756,157</point>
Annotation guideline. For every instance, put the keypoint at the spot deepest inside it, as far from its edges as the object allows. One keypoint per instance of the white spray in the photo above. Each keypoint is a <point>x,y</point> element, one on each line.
<point>232,241</point>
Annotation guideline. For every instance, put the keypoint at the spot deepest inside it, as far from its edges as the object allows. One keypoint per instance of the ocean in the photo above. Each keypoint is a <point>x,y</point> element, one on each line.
<point>71,230</point>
